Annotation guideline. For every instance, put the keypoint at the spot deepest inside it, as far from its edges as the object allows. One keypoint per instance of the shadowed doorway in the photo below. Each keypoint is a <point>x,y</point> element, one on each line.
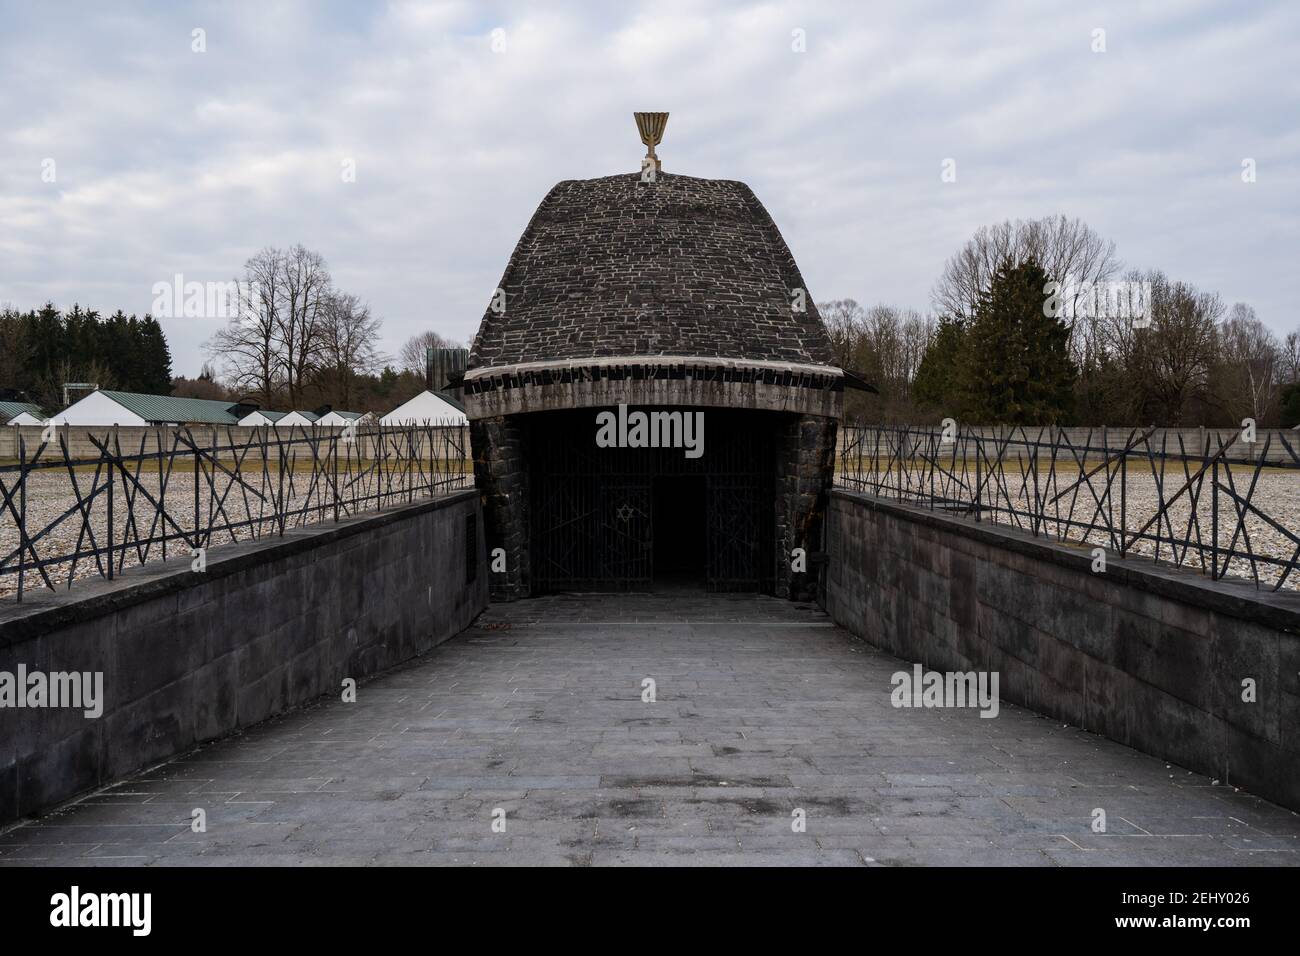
<point>637,519</point>
<point>680,523</point>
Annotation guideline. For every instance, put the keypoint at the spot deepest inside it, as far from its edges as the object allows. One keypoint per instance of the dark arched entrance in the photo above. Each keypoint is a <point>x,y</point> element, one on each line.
<point>637,518</point>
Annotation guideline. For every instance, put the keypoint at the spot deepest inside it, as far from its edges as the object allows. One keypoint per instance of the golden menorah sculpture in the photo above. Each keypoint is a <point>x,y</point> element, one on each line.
<point>651,127</point>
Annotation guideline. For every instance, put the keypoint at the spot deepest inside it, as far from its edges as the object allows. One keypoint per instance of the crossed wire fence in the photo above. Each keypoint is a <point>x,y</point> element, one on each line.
<point>1216,508</point>
<point>67,516</point>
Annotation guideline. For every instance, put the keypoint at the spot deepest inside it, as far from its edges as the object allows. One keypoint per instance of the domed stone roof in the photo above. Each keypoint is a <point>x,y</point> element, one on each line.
<point>684,267</point>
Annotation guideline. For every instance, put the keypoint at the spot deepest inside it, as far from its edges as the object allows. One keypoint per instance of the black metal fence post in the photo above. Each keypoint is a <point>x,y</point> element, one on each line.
<point>22,512</point>
<point>1214,522</point>
<point>112,477</point>
<point>1123,500</point>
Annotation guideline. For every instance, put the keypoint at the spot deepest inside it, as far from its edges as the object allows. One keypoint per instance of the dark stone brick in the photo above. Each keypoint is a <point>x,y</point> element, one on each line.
<point>8,789</point>
<point>216,696</point>
<point>153,647</point>
<point>680,266</point>
<point>189,660</point>
<point>148,729</point>
<point>1111,694</point>
<point>1177,662</point>
<point>1150,658</point>
<point>60,769</point>
<point>1242,650</point>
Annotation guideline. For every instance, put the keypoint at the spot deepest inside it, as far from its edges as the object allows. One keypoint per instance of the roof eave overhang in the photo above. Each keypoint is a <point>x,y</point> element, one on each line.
<point>654,380</point>
<point>708,361</point>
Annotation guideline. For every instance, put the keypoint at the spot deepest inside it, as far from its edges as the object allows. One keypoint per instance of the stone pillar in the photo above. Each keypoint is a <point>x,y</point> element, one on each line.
<point>501,474</point>
<point>805,471</point>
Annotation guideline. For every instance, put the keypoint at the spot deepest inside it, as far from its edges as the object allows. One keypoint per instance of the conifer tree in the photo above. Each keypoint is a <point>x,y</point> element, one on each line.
<point>1015,363</point>
<point>937,380</point>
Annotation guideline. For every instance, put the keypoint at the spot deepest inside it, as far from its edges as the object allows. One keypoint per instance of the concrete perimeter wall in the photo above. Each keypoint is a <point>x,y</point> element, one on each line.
<point>188,657</point>
<point>1151,657</point>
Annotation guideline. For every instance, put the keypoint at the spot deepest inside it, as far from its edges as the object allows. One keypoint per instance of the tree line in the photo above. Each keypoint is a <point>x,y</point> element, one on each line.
<point>293,340</point>
<point>44,348</point>
<point>1019,334</point>
<point>297,341</point>
<point>1036,323</point>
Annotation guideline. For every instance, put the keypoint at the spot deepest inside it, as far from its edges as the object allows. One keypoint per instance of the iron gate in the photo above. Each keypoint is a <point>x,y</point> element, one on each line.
<point>592,509</point>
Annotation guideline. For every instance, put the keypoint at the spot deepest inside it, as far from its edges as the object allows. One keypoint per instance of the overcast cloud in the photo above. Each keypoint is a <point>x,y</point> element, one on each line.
<point>170,161</point>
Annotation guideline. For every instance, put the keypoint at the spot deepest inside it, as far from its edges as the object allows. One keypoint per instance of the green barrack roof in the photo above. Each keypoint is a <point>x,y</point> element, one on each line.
<point>450,401</point>
<point>9,410</point>
<point>171,408</point>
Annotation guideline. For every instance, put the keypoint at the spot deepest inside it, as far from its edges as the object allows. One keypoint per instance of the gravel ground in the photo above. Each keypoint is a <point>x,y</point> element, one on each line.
<point>50,494</point>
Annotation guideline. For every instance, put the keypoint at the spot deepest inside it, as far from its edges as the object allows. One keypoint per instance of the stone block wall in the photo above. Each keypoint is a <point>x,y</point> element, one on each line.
<point>501,475</point>
<point>1151,657</point>
<point>188,657</point>
<point>805,469</point>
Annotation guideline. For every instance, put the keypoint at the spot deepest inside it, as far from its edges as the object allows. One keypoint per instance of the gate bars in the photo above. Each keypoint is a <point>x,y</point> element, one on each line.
<point>1194,507</point>
<point>195,487</point>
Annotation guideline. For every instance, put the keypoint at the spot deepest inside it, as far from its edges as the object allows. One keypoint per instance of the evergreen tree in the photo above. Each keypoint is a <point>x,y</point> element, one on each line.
<point>156,358</point>
<point>44,340</point>
<point>119,351</point>
<point>937,381</point>
<point>46,348</point>
<point>1291,405</point>
<point>1015,364</point>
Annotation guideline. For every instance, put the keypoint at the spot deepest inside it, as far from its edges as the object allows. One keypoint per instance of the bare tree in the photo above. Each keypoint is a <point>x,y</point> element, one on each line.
<point>1067,249</point>
<point>1247,380</point>
<point>917,332</point>
<point>271,347</point>
<point>414,354</point>
<point>248,347</point>
<point>891,344</point>
<point>205,386</point>
<point>348,336</point>
<point>1289,358</point>
<point>843,320</point>
<point>880,353</point>
<point>1166,366</point>
<point>885,344</point>
<point>303,290</point>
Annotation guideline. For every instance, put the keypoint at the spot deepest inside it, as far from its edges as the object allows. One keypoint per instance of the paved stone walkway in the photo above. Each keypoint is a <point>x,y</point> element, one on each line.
<point>763,707</point>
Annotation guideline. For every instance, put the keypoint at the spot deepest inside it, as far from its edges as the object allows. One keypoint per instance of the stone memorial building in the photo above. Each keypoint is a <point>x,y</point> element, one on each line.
<point>652,395</point>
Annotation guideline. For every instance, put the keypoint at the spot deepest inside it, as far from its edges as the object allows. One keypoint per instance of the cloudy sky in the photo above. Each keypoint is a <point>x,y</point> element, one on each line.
<point>167,160</point>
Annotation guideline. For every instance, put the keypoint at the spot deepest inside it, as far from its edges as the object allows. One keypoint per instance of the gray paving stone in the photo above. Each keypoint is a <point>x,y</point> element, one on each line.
<point>762,707</point>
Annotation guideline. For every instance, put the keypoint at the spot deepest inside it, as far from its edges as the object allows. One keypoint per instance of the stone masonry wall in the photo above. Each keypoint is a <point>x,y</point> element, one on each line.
<point>1151,657</point>
<point>187,657</point>
<point>805,468</point>
<point>501,474</point>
